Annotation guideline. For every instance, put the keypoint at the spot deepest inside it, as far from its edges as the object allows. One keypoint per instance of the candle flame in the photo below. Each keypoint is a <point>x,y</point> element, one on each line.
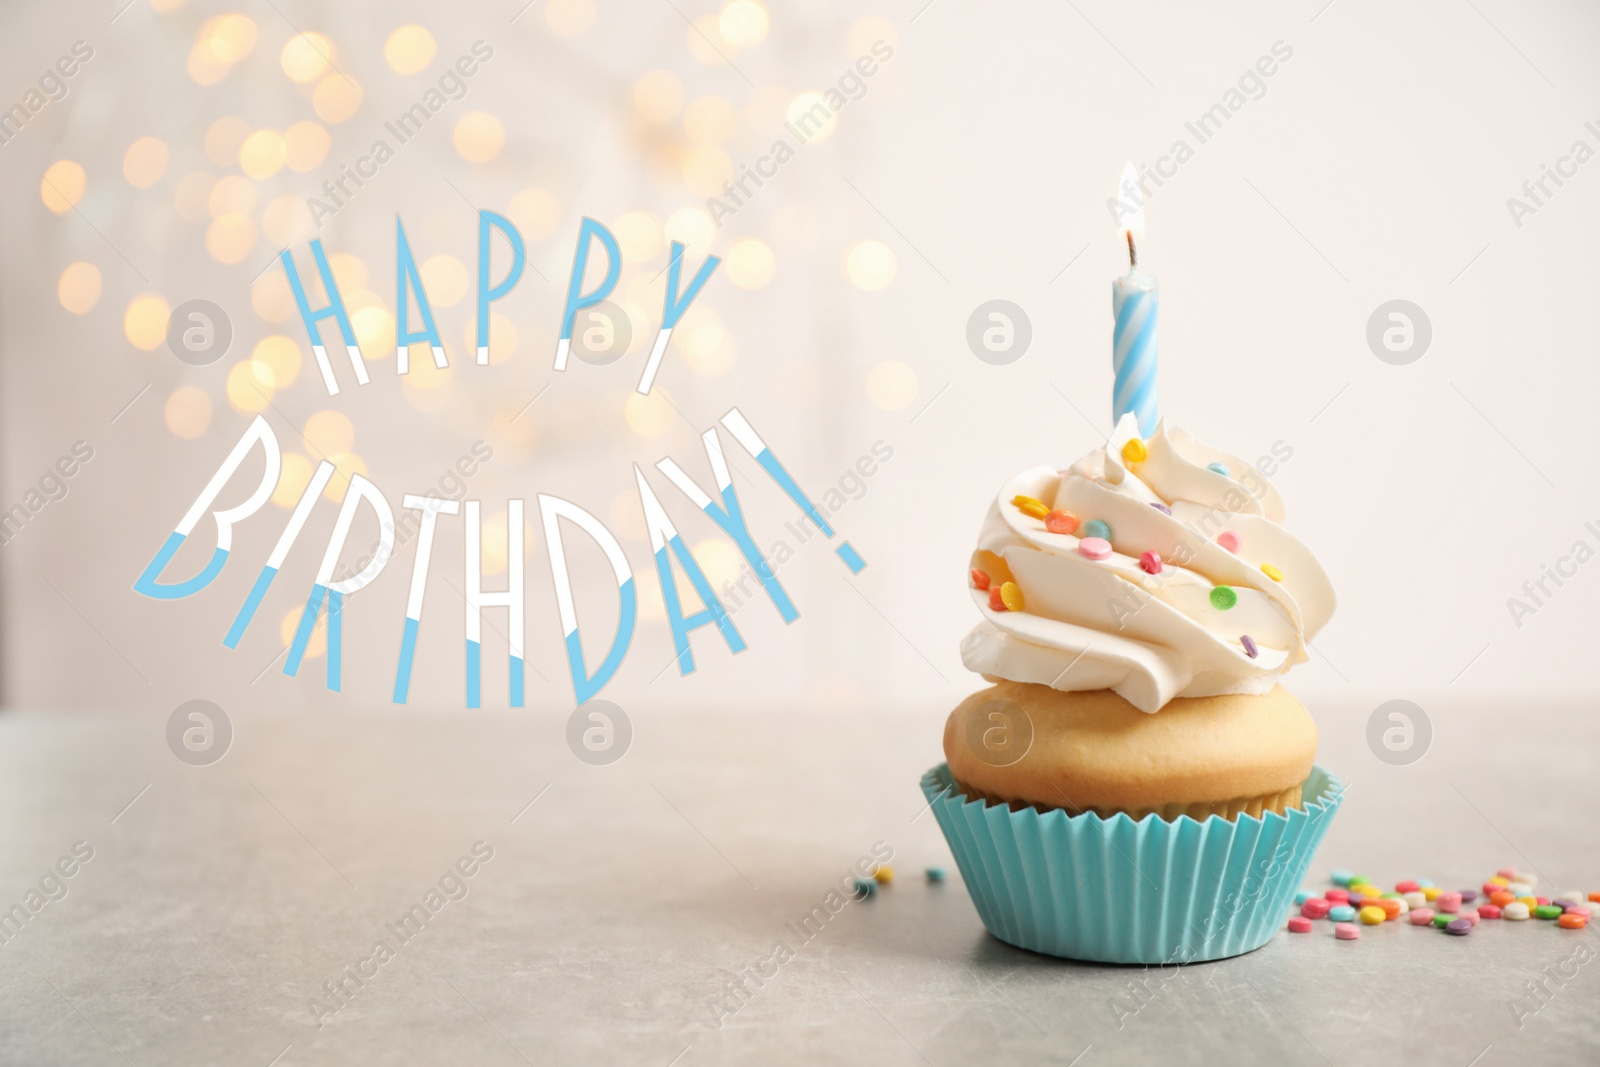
<point>1130,202</point>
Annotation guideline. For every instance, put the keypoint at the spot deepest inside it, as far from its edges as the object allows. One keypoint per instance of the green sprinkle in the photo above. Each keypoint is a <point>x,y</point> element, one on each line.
<point>1547,911</point>
<point>1222,598</point>
<point>1443,919</point>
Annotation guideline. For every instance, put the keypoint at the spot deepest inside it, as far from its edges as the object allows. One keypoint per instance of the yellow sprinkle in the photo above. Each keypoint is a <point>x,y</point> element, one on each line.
<point>1531,902</point>
<point>1134,451</point>
<point>1372,915</point>
<point>884,875</point>
<point>1272,572</point>
<point>1366,889</point>
<point>1497,880</point>
<point>1011,596</point>
<point>1029,506</point>
<point>1430,892</point>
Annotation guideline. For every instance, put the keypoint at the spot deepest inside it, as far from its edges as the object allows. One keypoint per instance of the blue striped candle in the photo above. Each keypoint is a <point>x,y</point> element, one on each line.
<point>1135,302</point>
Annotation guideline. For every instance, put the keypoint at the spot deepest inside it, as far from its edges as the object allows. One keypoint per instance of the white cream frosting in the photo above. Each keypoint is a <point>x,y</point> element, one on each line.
<point>1108,624</point>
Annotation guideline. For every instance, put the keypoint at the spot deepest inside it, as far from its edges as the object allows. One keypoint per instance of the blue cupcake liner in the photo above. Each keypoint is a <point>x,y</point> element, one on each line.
<point>1116,890</point>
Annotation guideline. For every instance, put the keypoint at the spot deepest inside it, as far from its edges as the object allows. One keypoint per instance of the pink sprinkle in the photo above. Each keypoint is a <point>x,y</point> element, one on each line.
<point>1315,908</point>
<point>1337,896</point>
<point>1094,548</point>
<point>1575,910</point>
<point>1150,562</point>
<point>1228,540</point>
<point>1470,916</point>
<point>1542,900</point>
<point>1508,873</point>
<point>1346,931</point>
<point>1406,887</point>
<point>1420,916</point>
<point>1449,903</point>
<point>1489,911</point>
<point>1299,924</point>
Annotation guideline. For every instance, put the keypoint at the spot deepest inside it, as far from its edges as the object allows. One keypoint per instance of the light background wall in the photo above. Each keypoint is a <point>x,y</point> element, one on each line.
<point>1376,166</point>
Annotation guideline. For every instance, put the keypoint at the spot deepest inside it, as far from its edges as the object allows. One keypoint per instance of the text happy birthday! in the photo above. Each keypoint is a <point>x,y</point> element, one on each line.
<point>423,510</point>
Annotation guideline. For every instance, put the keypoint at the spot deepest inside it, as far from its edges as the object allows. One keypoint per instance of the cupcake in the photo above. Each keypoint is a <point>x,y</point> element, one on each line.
<point>1136,786</point>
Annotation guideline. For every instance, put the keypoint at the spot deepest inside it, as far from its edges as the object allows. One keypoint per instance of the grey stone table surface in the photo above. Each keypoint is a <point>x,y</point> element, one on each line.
<point>212,909</point>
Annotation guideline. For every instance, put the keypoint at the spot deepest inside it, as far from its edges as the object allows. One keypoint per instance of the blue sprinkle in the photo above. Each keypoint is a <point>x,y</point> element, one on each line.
<point>1342,877</point>
<point>1303,896</point>
<point>1341,913</point>
<point>1219,468</point>
<point>866,887</point>
<point>1159,506</point>
<point>1424,883</point>
<point>1096,528</point>
<point>935,874</point>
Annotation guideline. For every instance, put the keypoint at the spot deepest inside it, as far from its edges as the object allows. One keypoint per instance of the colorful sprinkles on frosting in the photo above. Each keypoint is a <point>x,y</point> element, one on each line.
<point>1135,451</point>
<point>1359,899</point>
<point>1094,543</point>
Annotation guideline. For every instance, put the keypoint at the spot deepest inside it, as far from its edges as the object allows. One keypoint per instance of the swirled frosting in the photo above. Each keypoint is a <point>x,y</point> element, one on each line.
<point>1111,624</point>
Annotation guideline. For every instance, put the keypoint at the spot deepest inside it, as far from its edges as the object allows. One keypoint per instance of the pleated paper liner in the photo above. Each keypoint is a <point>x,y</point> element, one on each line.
<point>1117,890</point>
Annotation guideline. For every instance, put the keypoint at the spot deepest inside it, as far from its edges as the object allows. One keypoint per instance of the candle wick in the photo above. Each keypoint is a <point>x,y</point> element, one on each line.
<point>1133,253</point>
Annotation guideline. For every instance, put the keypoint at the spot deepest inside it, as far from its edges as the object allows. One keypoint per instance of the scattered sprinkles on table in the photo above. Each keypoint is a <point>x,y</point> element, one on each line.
<point>1509,895</point>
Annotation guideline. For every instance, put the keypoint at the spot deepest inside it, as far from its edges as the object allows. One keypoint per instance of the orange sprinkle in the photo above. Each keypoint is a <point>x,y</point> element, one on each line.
<point>1061,522</point>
